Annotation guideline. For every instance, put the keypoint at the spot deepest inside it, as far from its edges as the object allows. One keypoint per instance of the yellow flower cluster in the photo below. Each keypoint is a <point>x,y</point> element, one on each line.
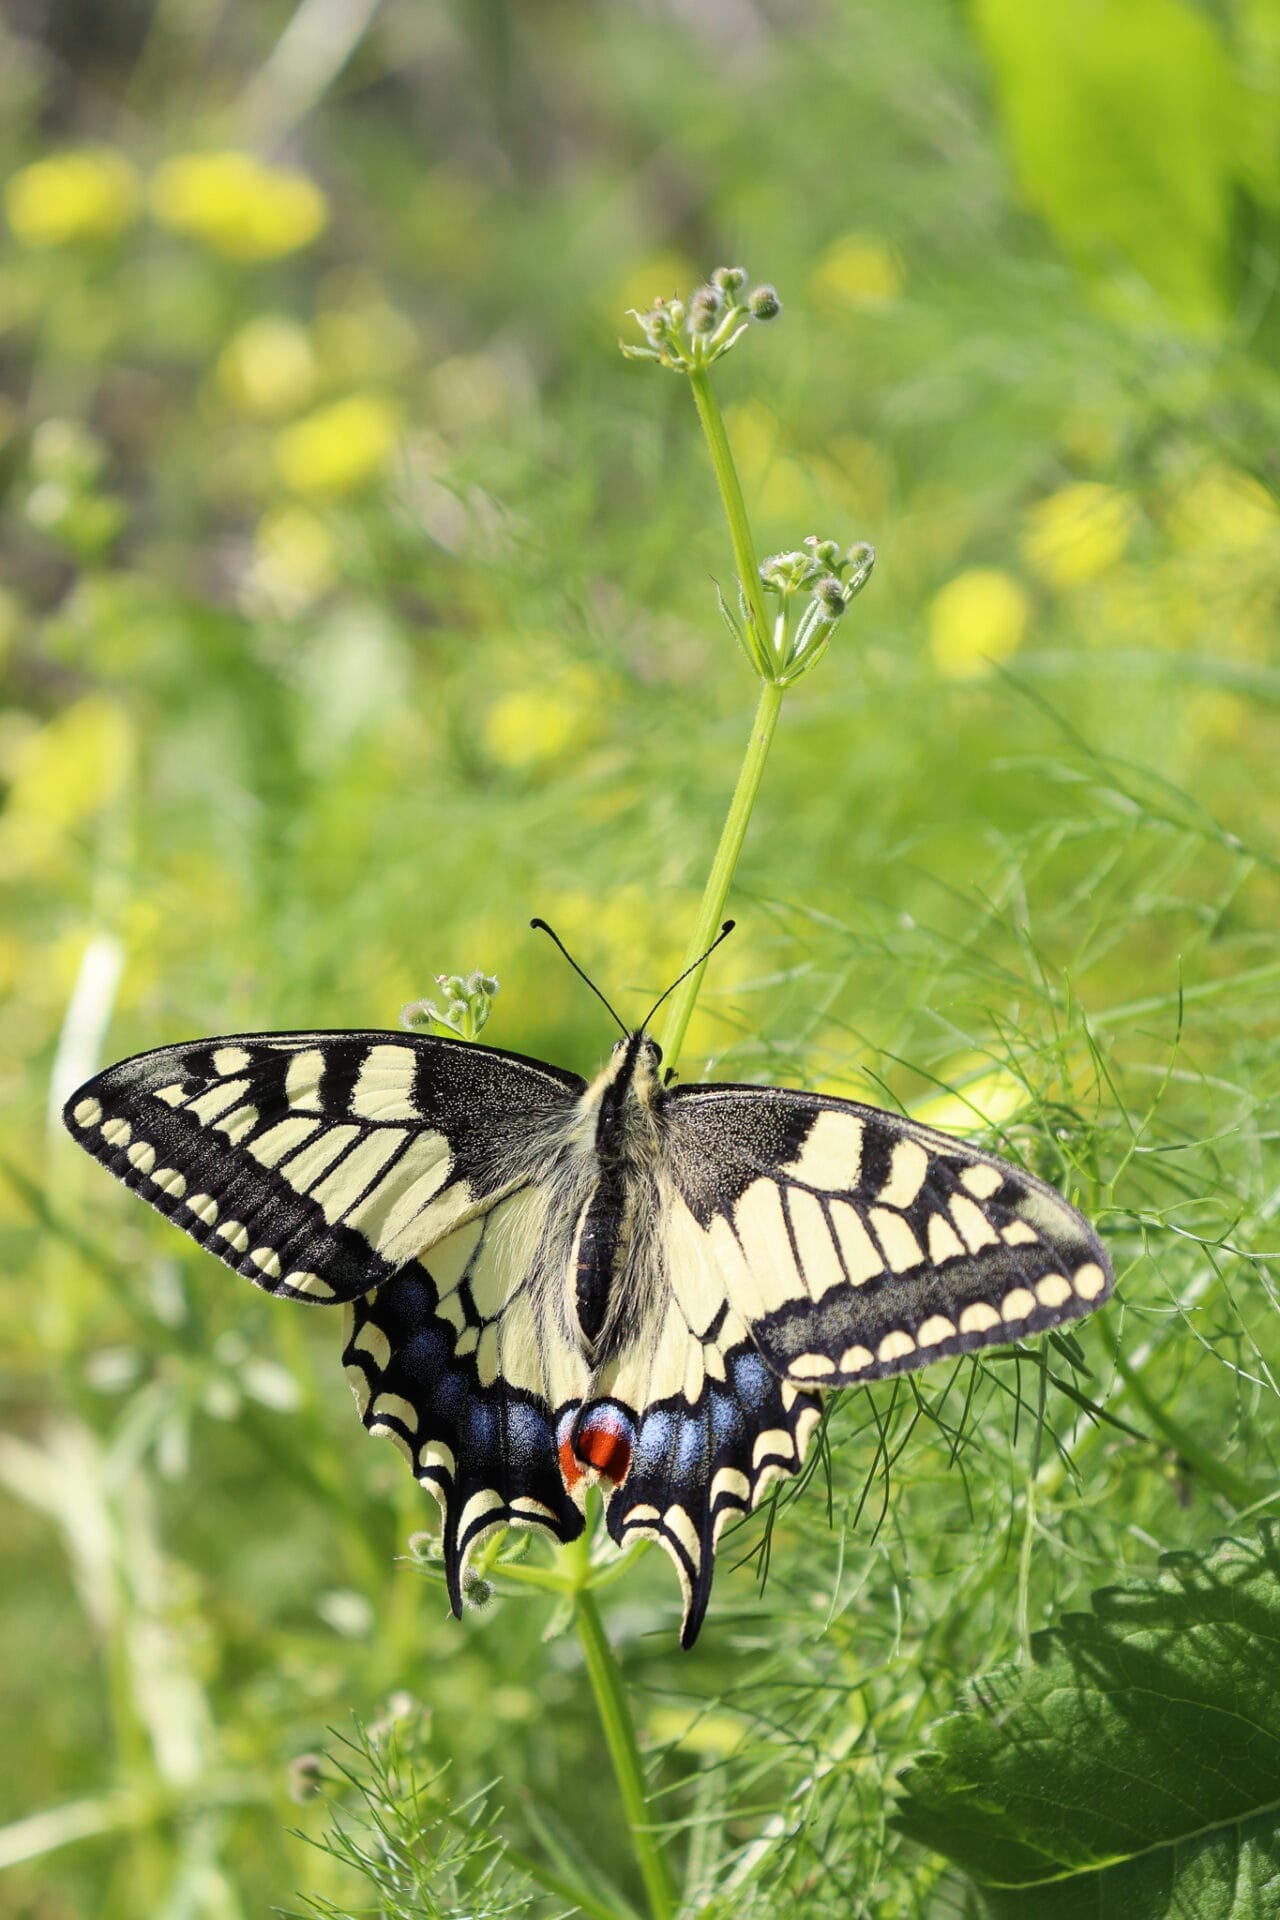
<point>91,193</point>
<point>234,203</point>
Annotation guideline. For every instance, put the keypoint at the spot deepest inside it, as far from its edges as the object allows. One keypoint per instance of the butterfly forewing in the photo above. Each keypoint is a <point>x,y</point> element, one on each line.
<point>317,1164</point>
<point>857,1244</point>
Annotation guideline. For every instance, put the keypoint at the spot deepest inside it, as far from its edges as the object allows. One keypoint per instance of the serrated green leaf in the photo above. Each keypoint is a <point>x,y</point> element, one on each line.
<point>1132,1771</point>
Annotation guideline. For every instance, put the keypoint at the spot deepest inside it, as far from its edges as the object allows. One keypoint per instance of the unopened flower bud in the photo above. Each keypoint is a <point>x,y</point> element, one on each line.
<point>704,310</point>
<point>764,303</point>
<point>729,280</point>
<point>831,594</point>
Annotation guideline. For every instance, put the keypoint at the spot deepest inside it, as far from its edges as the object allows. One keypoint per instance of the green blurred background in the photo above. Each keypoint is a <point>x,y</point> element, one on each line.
<point>356,603</point>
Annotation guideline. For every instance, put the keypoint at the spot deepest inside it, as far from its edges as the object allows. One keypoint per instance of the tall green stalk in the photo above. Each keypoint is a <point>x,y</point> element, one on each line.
<point>779,654</point>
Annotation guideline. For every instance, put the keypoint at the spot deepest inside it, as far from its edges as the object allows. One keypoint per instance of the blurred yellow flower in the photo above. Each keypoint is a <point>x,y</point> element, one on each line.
<point>858,270</point>
<point>989,1098</point>
<point>975,621</point>
<point>294,560</point>
<point>338,448</point>
<point>1078,532</point>
<point>533,726</point>
<point>88,194</point>
<point>268,368</point>
<point>237,204</point>
<point>1226,510</point>
<point>61,774</point>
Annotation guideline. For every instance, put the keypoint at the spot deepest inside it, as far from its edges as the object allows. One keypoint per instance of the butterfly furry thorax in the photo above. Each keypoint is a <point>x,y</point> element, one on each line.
<point>550,1283</point>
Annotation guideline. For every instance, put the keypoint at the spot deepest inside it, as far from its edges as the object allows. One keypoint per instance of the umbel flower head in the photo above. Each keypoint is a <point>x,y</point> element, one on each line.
<point>467,1003</point>
<point>810,587</point>
<point>687,336</point>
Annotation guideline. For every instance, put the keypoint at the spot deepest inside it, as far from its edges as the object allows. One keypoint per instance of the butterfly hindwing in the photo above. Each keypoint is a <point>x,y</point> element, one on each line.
<point>857,1244</point>
<point>317,1164</point>
<point>452,1360</point>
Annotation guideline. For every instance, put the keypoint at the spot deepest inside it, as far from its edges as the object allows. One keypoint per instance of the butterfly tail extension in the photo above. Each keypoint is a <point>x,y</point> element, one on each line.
<point>485,1449</point>
<point>695,1466</point>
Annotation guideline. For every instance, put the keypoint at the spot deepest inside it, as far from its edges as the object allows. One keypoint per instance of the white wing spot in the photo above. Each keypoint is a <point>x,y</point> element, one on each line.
<point>730,1484</point>
<point>393,1406</point>
<point>169,1180</point>
<point>173,1096</point>
<point>679,1523</point>
<point>384,1085</point>
<point>308,1283</point>
<point>982,1179</point>
<point>204,1208</point>
<point>1053,1291</point>
<point>856,1359</point>
<point>270,1148</point>
<point>935,1330</point>
<point>907,1170</point>
<point>770,1443</point>
<point>1019,1234</point>
<point>340,1190</point>
<point>303,1076</point>
<point>857,1250</point>
<point>901,1248</point>
<point>230,1060</point>
<point>373,1341</point>
<point>477,1508</point>
<point>236,1125</point>
<point>235,1233</point>
<point>305,1167</point>
<point>1018,1305</point>
<point>525,1507</point>
<point>978,1317</point>
<point>810,1366</point>
<point>117,1133</point>
<point>831,1157</point>
<point>944,1242</point>
<point>267,1261</point>
<point>87,1113</point>
<point>220,1099</point>
<point>142,1156</point>
<point>1090,1281</point>
<point>896,1346</point>
<point>975,1228</point>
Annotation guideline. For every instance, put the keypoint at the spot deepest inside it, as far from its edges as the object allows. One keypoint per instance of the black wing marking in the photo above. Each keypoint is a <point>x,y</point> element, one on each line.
<point>465,1385</point>
<point>856,1244</point>
<point>317,1164</point>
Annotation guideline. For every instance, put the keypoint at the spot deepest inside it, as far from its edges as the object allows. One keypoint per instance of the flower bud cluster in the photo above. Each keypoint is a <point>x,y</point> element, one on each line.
<point>689,335</point>
<point>467,1004</point>
<point>810,586</point>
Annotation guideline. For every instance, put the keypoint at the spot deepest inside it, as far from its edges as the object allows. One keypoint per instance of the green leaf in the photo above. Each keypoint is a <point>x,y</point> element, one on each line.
<point>1130,132</point>
<point>1132,1771</point>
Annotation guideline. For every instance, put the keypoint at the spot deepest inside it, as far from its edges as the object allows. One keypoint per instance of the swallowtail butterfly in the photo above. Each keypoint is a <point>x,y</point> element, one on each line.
<point>550,1283</point>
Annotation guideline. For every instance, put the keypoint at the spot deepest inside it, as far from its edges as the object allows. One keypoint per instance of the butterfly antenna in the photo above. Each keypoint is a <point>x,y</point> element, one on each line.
<point>723,934</point>
<point>577,969</point>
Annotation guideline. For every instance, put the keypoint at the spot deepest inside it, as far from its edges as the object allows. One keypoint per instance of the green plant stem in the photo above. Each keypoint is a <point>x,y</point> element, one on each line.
<point>620,1736</point>
<point>735,511</point>
<point>711,912</point>
<point>716,892</point>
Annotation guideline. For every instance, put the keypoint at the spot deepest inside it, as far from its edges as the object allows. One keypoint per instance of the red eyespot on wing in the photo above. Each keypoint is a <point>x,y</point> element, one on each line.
<point>570,1472</point>
<point>603,1441</point>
